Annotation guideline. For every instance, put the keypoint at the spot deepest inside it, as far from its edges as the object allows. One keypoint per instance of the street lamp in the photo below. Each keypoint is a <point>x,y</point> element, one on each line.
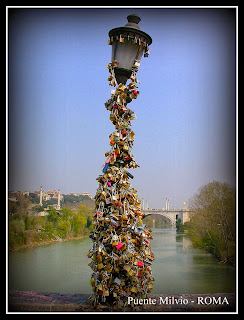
<point>128,44</point>
<point>121,252</point>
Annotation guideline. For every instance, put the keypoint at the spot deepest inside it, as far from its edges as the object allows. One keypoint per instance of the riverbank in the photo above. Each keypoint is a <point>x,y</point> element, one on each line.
<point>29,301</point>
<point>48,241</point>
<point>27,230</point>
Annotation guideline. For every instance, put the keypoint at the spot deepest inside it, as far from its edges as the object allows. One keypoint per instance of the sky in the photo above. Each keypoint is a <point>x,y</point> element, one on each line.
<point>58,127</point>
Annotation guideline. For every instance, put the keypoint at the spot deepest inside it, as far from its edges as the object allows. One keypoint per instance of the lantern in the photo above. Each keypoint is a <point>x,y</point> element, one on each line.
<point>128,44</point>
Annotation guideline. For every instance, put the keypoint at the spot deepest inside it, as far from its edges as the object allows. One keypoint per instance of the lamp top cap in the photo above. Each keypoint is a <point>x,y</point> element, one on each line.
<point>131,26</point>
<point>133,20</point>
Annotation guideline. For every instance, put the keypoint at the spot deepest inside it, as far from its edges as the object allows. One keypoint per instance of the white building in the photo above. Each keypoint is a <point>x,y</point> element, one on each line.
<point>87,194</point>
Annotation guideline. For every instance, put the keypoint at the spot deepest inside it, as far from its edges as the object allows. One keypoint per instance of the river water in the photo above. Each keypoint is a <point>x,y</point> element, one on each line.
<point>178,268</point>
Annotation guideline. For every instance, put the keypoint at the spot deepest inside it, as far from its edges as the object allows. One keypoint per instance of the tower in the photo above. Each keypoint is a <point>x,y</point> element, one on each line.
<point>40,203</point>
<point>146,205</point>
<point>58,205</point>
<point>167,204</point>
<point>142,204</point>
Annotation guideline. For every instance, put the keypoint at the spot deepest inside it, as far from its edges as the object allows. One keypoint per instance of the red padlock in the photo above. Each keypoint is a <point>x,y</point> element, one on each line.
<point>135,92</point>
<point>119,203</point>
<point>140,264</point>
<point>119,245</point>
<point>123,131</point>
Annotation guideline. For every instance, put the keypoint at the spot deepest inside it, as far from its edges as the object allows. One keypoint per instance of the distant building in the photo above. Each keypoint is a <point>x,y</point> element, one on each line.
<point>45,196</point>
<point>55,194</point>
<point>41,214</point>
<point>50,195</point>
<point>87,194</point>
<point>74,194</point>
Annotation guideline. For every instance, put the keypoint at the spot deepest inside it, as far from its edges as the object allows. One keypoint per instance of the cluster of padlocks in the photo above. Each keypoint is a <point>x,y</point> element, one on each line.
<point>134,41</point>
<point>121,255</point>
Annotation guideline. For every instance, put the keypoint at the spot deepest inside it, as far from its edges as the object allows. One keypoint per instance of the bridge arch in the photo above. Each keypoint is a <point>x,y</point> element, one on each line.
<point>173,221</point>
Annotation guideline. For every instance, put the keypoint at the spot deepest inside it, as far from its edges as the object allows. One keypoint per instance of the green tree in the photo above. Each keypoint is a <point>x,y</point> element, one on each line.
<point>17,226</point>
<point>78,223</point>
<point>89,222</point>
<point>52,215</point>
<point>64,228</point>
<point>38,208</point>
<point>17,236</point>
<point>28,222</point>
<point>85,210</point>
<point>213,225</point>
<point>66,213</point>
<point>48,227</point>
<point>23,204</point>
<point>12,206</point>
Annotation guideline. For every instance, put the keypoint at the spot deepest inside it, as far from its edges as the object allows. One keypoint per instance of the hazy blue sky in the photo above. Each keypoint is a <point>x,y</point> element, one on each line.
<point>59,127</point>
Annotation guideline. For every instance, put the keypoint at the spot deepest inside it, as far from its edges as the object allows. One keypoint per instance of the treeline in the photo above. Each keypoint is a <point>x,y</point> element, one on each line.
<point>30,230</point>
<point>213,225</point>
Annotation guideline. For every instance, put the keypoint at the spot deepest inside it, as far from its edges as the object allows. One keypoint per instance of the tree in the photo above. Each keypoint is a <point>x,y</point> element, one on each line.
<point>78,223</point>
<point>52,215</point>
<point>17,236</point>
<point>23,204</point>
<point>63,228</point>
<point>85,210</point>
<point>66,213</point>
<point>17,226</point>
<point>213,225</point>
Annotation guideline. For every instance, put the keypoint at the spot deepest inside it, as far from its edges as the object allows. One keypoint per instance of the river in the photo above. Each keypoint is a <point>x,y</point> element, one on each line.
<point>178,268</point>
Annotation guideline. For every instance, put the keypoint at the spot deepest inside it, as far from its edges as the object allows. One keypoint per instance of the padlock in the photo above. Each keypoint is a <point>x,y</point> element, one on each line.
<point>127,267</point>
<point>119,245</point>
<point>117,281</point>
<point>111,40</point>
<point>140,264</point>
<point>112,117</point>
<point>115,223</point>
<point>125,148</point>
<point>130,175</point>
<point>134,289</point>
<point>121,39</point>
<point>100,287</point>
<point>114,197</point>
<point>105,168</point>
<point>100,266</point>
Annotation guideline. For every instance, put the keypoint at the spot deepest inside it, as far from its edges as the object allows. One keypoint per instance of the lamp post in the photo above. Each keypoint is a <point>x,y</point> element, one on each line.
<point>121,252</point>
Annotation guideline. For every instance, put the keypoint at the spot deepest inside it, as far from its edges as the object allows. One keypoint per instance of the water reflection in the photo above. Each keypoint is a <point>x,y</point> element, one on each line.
<point>178,267</point>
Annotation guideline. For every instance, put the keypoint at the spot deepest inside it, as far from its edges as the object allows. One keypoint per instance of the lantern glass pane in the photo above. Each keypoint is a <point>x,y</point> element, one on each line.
<point>126,53</point>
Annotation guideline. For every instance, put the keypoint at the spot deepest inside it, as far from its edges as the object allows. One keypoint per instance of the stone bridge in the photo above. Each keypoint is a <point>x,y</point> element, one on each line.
<point>172,214</point>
